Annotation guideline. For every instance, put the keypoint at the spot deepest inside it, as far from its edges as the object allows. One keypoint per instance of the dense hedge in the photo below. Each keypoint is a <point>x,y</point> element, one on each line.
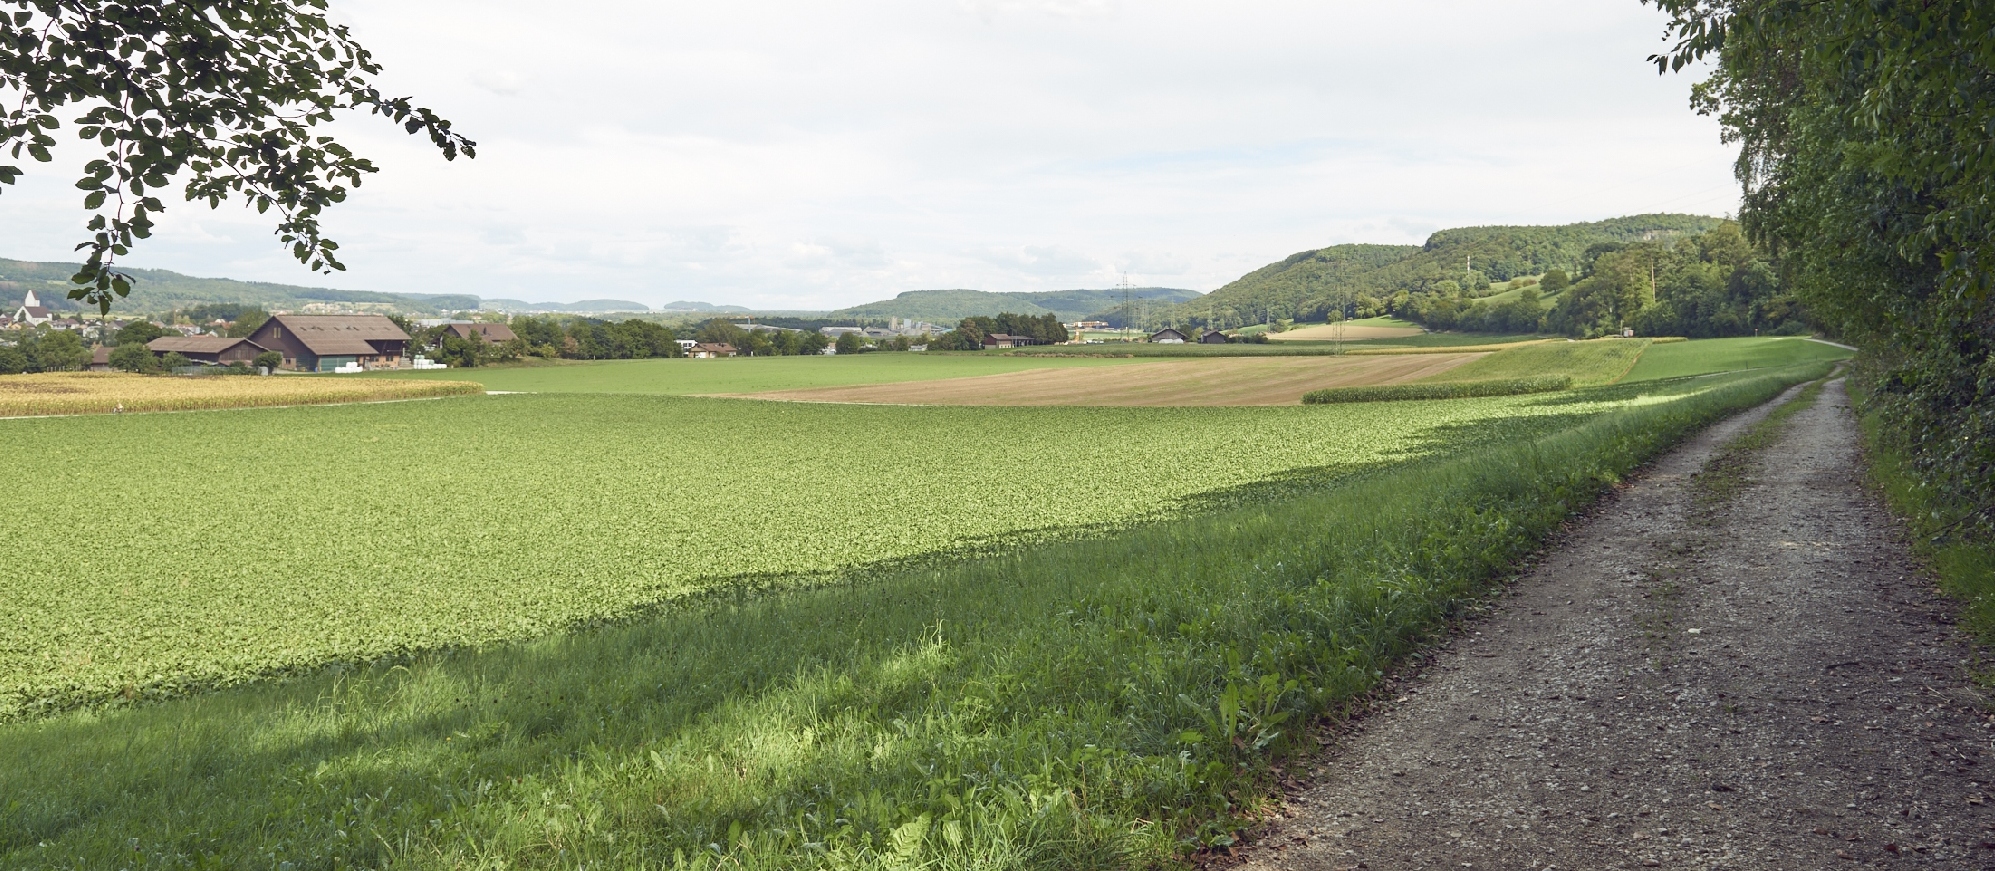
<point>1863,131</point>
<point>1460,390</point>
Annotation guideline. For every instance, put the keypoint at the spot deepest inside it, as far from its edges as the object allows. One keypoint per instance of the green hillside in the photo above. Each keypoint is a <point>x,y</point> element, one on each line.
<point>1363,279</point>
<point>949,306</point>
<point>157,290</point>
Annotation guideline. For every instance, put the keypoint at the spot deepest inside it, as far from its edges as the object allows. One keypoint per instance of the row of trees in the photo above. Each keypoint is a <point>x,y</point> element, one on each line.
<point>1460,264</point>
<point>970,332</point>
<point>1863,133</point>
<point>44,351</point>
<point>1709,285</point>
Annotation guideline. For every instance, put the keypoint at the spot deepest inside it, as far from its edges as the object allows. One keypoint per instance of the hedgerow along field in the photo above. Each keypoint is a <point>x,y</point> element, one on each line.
<point>1105,702</point>
<point>56,393</point>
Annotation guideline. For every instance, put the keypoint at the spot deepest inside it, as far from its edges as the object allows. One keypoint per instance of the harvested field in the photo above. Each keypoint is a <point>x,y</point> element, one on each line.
<point>1217,381</point>
<point>1352,333</point>
<point>58,393</point>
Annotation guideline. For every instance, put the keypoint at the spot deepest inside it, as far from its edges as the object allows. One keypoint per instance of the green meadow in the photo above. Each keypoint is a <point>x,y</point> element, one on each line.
<point>1703,356</point>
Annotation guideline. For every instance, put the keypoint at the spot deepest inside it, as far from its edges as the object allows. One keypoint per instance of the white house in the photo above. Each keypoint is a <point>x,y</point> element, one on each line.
<point>32,314</point>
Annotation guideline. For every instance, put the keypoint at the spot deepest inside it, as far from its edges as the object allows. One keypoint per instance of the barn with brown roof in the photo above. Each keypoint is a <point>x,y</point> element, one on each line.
<point>322,343</point>
<point>491,333</point>
<point>208,349</point>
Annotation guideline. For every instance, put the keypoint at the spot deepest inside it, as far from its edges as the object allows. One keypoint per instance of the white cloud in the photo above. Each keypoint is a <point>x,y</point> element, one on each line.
<point>779,153</point>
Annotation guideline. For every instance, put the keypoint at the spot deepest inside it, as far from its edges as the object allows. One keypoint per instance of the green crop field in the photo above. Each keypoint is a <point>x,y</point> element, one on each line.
<point>594,628</point>
<point>1591,363</point>
<point>684,377</point>
<point>273,539</point>
<point>1113,701</point>
<point>1704,356</point>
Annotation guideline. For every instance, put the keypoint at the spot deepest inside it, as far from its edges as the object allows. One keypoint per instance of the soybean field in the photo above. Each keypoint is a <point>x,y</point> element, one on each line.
<point>179,551</point>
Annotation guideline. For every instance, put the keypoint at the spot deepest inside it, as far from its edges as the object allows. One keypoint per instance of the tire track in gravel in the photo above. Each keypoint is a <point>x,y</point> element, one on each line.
<point>1770,683</point>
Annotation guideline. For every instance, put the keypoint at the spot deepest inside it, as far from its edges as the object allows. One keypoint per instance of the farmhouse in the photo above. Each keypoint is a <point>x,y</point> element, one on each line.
<point>491,333</point>
<point>322,343</point>
<point>1006,339</point>
<point>1212,337</point>
<point>208,349</point>
<point>1168,336</point>
<point>32,313</point>
<point>711,350</point>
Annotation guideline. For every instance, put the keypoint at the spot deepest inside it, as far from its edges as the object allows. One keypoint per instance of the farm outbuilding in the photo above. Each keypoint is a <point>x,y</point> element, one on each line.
<point>322,343</point>
<point>214,350</point>
<point>1168,336</point>
<point>1212,337</point>
<point>1006,340</point>
<point>492,333</point>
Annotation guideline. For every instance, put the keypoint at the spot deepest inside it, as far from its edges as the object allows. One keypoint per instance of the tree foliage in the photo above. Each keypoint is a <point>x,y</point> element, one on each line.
<point>1865,132</point>
<point>1371,280</point>
<point>230,94</point>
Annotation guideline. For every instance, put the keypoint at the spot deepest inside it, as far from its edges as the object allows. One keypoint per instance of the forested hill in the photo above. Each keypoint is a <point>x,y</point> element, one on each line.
<point>1366,278</point>
<point>157,290</point>
<point>949,306</point>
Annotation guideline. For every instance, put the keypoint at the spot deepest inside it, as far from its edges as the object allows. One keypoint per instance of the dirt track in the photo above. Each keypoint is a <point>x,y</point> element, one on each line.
<point>1767,684</point>
<point>1213,381</point>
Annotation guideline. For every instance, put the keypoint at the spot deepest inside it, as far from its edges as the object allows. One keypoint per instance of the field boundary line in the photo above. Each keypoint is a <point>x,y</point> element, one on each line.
<point>233,408</point>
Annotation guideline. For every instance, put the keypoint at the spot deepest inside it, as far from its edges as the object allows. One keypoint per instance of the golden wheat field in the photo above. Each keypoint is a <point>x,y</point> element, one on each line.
<point>52,393</point>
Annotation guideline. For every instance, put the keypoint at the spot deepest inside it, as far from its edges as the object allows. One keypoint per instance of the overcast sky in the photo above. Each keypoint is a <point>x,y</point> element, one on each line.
<point>815,155</point>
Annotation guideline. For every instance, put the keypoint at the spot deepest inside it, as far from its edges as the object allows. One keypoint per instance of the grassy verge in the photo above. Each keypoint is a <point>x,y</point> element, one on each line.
<point>1450,390</point>
<point>1107,703</point>
<point>1945,534</point>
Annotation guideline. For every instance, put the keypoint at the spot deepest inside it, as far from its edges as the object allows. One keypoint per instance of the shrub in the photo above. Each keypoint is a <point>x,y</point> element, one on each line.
<point>134,358</point>
<point>1457,390</point>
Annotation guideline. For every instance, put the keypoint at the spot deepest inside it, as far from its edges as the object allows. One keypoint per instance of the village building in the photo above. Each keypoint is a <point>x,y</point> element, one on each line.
<point>492,333</point>
<point>32,313</point>
<point>1212,337</point>
<point>711,350</point>
<point>213,350</point>
<point>1167,336</point>
<point>322,343</point>
<point>1006,340</point>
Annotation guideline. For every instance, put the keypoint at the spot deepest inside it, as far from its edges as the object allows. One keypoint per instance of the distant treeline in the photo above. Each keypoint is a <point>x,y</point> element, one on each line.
<point>1371,280</point>
<point>969,334</point>
<point>1710,285</point>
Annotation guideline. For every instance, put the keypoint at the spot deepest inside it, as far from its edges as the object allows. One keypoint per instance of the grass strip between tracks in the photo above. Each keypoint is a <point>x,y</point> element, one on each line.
<point>1105,703</point>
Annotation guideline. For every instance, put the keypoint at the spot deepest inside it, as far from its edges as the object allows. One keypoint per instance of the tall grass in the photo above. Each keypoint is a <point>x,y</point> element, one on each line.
<point>1107,703</point>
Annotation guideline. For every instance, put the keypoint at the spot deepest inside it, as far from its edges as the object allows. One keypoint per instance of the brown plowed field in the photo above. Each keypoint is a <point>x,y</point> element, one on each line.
<point>1215,381</point>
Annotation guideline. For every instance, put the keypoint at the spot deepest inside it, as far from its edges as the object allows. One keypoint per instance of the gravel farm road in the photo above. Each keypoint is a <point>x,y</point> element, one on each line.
<point>1770,683</point>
